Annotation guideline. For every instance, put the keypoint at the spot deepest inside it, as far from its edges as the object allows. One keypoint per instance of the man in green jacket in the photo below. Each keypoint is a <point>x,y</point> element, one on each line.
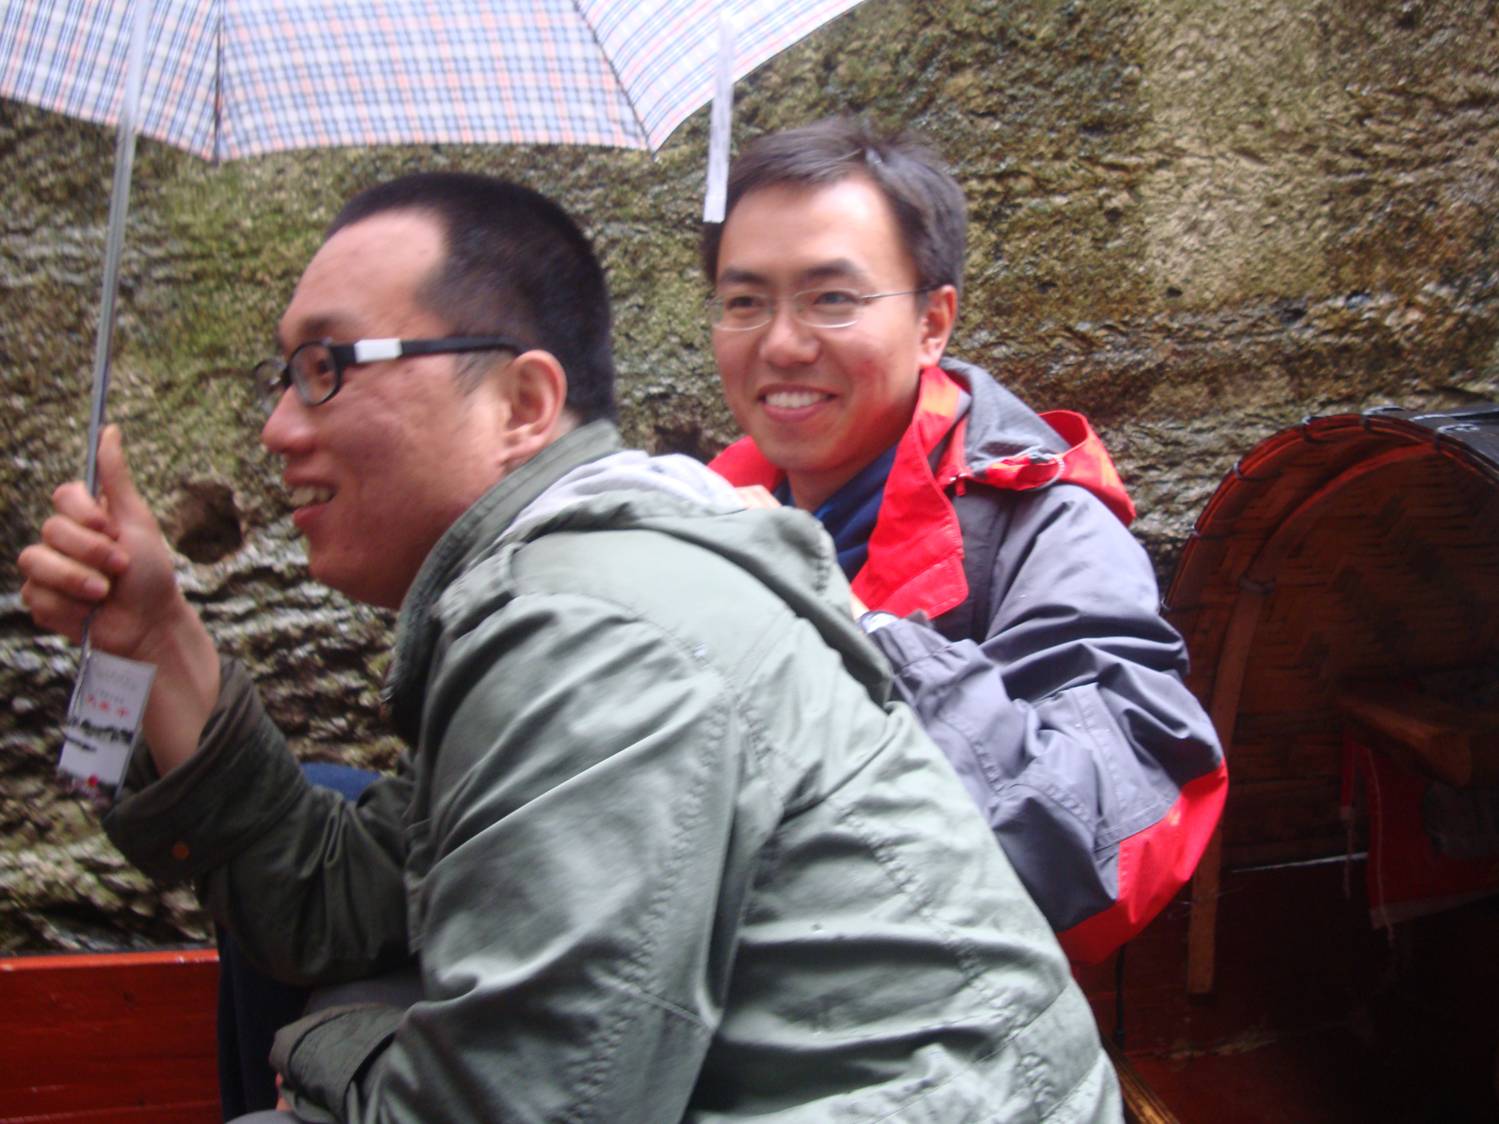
<point>662,847</point>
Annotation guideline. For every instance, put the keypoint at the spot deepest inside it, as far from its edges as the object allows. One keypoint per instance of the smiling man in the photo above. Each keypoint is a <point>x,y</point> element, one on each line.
<point>822,399</point>
<point>986,545</point>
<point>350,468</point>
<point>662,848</point>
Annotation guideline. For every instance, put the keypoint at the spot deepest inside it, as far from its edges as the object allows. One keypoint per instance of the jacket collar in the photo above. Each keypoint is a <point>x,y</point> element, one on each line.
<point>473,532</point>
<point>916,550</point>
<point>1004,444</point>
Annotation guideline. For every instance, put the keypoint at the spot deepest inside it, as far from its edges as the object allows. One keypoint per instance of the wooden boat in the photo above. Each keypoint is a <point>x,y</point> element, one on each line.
<point>1345,569</point>
<point>93,1039</point>
<point>1340,601</point>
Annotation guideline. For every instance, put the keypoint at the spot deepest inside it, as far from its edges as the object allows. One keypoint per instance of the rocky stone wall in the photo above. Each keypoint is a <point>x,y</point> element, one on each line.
<point>1195,220</point>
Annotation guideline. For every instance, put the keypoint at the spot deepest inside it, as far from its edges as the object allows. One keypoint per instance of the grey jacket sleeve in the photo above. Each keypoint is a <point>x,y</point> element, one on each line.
<point>583,789</point>
<point>309,884</point>
<point>1069,721</point>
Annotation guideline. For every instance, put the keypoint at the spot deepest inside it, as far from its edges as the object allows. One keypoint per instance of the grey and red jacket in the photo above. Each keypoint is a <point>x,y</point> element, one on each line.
<point>1032,647</point>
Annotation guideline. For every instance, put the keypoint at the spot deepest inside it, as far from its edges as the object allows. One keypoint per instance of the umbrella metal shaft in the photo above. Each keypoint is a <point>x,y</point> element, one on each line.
<point>119,203</point>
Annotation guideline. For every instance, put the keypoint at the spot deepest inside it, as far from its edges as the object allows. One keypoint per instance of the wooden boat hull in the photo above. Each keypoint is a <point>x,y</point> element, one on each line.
<point>91,1039</point>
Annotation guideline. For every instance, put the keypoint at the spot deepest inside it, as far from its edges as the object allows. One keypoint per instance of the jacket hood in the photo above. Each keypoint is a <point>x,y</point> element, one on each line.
<point>630,470</point>
<point>783,549</point>
<point>999,424</point>
<point>966,429</point>
<point>474,530</point>
<point>589,484</point>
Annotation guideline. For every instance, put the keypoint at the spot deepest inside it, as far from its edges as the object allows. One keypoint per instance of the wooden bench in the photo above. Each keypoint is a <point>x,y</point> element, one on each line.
<point>130,1036</point>
<point>90,1039</point>
<point>1435,737</point>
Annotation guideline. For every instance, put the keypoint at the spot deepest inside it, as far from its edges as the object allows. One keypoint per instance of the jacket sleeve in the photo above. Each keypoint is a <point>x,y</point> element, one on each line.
<point>309,883</point>
<point>1069,721</point>
<point>573,951</point>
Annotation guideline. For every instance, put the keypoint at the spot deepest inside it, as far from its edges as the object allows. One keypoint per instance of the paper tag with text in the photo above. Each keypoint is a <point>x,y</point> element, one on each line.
<point>104,719</point>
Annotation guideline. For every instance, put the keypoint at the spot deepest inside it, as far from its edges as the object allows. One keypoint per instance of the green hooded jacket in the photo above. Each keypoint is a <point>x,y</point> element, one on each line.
<point>662,849</point>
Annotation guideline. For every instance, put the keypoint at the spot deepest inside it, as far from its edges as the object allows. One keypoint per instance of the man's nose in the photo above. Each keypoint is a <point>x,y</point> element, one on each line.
<point>288,430</point>
<point>786,341</point>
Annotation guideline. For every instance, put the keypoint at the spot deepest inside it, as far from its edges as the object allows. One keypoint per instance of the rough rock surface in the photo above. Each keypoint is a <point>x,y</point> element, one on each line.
<point>1197,222</point>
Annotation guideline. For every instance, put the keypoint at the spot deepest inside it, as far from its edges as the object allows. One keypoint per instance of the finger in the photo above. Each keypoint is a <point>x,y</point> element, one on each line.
<point>115,482</point>
<point>756,496</point>
<point>73,501</point>
<point>91,548</point>
<point>45,567</point>
<point>52,612</point>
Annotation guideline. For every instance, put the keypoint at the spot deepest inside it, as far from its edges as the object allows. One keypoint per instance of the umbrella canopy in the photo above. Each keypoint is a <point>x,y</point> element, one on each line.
<point>226,79</point>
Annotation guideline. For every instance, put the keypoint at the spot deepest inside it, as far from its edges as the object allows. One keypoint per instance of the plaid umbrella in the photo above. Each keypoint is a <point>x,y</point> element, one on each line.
<point>226,80</point>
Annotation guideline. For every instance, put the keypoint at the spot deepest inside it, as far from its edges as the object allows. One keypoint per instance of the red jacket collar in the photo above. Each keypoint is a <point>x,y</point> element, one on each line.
<point>916,550</point>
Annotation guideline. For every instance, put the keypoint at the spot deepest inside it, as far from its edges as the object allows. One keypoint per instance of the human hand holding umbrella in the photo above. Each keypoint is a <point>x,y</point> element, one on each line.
<point>104,565</point>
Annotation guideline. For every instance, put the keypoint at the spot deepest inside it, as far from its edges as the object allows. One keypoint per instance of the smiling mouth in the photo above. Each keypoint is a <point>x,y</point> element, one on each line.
<point>794,399</point>
<point>307,495</point>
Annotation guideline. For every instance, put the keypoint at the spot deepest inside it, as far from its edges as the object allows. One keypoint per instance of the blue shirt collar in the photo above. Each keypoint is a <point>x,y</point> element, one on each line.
<point>850,513</point>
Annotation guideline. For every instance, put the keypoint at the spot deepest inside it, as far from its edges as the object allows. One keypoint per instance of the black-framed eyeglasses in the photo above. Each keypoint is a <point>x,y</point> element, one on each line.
<point>316,369</point>
<point>816,308</point>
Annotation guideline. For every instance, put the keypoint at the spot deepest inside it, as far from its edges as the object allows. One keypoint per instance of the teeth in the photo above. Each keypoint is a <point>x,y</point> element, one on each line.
<point>792,399</point>
<point>306,497</point>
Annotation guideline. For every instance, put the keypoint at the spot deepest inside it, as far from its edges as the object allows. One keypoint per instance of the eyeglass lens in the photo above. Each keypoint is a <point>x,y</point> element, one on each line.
<point>315,373</point>
<point>312,370</point>
<point>817,308</point>
<point>271,381</point>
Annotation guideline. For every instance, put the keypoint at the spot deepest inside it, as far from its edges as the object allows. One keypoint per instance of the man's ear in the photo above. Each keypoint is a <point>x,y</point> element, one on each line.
<point>534,387</point>
<point>937,322</point>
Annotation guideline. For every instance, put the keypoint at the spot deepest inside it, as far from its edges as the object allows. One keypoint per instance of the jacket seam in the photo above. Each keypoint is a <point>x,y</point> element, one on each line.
<point>1058,794</point>
<point>1150,813</point>
<point>595,1075</point>
<point>963,955</point>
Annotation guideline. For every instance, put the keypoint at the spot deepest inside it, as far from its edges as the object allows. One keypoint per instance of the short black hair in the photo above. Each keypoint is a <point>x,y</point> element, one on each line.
<point>516,266</point>
<point>928,203</point>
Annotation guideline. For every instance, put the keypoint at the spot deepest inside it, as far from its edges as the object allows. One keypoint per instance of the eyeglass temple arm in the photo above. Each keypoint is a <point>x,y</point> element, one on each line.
<point>372,351</point>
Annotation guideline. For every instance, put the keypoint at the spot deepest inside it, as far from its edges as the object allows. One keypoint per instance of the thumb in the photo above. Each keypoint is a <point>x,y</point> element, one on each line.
<point>116,485</point>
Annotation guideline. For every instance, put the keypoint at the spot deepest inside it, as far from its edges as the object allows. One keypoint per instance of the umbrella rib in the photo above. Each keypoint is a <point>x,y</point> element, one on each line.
<point>618,79</point>
<point>218,85</point>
